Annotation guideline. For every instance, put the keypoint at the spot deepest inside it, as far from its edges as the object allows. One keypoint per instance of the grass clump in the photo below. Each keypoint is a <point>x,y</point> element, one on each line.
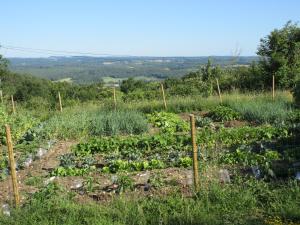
<point>74,123</point>
<point>262,110</point>
<point>118,123</point>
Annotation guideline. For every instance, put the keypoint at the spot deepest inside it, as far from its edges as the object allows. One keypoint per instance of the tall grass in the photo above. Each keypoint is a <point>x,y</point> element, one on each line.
<point>118,123</point>
<point>253,202</point>
<point>179,104</point>
<point>261,108</point>
<point>78,122</point>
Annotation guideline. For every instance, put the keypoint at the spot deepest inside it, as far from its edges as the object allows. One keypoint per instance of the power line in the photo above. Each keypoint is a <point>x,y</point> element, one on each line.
<point>48,51</point>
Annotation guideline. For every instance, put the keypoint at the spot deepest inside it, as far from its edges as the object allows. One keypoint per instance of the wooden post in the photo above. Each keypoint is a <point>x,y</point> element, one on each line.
<point>273,87</point>
<point>12,165</point>
<point>59,100</point>
<point>115,98</point>
<point>13,104</point>
<point>163,94</point>
<point>219,91</point>
<point>1,96</point>
<point>195,152</point>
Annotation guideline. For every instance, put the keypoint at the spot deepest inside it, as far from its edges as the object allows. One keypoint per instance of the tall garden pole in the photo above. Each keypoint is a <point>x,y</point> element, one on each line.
<point>219,91</point>
<point>273,87</point>
<point>12,165</point>
<point>195,152</point>
<point>13,104</point>
<point>163,94</point>
<point>59,101</point>
<point>1,96</point>
<point>115,98</point>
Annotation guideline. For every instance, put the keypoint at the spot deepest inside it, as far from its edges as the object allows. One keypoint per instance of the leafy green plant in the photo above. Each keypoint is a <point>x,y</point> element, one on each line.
<point>71,171</point>
<point>185,162</point>
<point>168,122</point>
<point>247,157</point>
<point>203,122</point>
<point>222,113</point>
<point>124,183</point>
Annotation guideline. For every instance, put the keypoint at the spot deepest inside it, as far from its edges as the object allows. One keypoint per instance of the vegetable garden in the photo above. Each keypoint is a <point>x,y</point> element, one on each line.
<point>134,165</point>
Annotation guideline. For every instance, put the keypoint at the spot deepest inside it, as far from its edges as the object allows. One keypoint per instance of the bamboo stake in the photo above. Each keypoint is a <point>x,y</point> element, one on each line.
<point>273,87</point>
<point>219,91</point>
<point>13,104</point>
<point>12,165</point>
<point>115,98</point>
<point>195,152</point>
<point>163,94</point>
<point>59,100</point>
<point>1,96</point>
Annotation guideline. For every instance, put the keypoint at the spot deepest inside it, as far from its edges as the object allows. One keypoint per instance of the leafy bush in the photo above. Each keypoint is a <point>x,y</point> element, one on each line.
<point>223,113</point>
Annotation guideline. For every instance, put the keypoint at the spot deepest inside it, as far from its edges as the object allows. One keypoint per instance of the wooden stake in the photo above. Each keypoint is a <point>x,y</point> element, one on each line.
<point>115,98</point>
<point>273,87</point>
<point>219,91</point>
<point>59,100</point>
<point>13,104</point>
<point>12,165</point>
<point>1,96</point>
<point>195,152</point>
<point>163,94</point>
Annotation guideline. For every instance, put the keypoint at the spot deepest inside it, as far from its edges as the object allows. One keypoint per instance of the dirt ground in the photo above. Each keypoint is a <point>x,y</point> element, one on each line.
<point>39,168</point>
<point>103,187</point>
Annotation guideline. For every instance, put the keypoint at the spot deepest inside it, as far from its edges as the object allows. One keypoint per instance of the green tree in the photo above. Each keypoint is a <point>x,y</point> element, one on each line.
<point>3,64</point>
<point>280,56</point>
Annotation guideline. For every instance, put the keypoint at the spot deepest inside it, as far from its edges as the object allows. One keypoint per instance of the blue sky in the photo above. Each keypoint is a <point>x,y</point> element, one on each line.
<point>140,27</point>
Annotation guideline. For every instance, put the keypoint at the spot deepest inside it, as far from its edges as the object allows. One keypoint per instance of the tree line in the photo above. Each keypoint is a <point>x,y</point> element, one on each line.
<point>279,54</point>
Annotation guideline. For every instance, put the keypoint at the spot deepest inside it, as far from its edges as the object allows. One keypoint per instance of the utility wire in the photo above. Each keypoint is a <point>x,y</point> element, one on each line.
<point>48,51</point>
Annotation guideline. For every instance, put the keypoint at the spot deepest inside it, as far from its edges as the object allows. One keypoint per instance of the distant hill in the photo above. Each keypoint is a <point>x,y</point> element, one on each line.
<point>81,69</point>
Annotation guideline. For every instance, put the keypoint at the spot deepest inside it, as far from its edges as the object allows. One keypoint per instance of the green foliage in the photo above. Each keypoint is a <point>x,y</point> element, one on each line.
<point>118,123</point>
<point>262,110</point>
<point>168,122</point>
<point>203,122</point>
<point>296,93</point>
<point>77,123</point>
<point>280,52</point>
<point>19,123</point>
<point>123,165</point>
<point>223,113</point>
<point>70,171</point>
<point>247,157</point>
<point>248,202</point>
<point>124,183</point>
<point>185,162</point>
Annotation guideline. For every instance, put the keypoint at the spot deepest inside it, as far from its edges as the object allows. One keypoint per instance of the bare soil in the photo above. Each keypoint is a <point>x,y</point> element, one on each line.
<point>39,168</point>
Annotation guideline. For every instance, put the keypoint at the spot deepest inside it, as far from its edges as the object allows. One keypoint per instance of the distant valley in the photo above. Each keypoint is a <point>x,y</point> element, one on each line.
<point>81,69</point>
